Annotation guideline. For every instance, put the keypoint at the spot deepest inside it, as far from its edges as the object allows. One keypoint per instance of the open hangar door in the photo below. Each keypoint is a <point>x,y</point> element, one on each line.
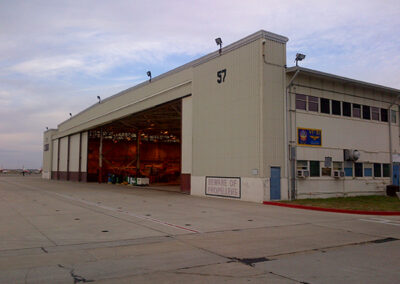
<point>143,145</point>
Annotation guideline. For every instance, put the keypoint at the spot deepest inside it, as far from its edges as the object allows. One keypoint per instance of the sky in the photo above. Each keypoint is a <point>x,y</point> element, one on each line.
<point>57,56</point>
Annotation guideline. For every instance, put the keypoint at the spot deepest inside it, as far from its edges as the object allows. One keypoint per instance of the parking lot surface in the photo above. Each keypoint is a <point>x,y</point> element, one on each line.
<point>65,232</point>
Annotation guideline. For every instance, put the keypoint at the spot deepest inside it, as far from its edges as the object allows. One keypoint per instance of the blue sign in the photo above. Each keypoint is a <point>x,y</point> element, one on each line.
<point>309,137</point>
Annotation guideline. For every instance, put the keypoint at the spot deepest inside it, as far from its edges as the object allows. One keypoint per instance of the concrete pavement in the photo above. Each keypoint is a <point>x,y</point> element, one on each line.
<point>64,232</point>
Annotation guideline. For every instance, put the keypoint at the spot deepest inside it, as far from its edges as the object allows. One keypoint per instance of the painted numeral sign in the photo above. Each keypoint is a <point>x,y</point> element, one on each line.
<point>221,74</point>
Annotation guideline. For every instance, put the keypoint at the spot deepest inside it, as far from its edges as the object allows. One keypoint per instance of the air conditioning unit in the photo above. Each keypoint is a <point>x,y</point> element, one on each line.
<point>303,173</point>
<point>351,155</point>
<point>338,174</point>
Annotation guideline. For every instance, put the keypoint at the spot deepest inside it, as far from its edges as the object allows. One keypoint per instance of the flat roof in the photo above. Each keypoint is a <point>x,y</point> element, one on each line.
<point>324,75</point>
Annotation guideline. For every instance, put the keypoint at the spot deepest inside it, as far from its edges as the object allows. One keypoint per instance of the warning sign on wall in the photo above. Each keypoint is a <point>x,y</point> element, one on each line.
<point>223,186</point>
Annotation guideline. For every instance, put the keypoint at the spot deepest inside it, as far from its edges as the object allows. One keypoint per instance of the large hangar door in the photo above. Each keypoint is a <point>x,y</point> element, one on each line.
<point>145,144</point>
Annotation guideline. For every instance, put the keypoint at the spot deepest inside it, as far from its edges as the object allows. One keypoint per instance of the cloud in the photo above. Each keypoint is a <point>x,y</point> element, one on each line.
<point>57,56</point>
<point>45,65</point>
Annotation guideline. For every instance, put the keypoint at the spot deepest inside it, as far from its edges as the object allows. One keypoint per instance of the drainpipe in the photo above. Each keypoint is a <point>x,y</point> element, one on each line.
<point>291,161</point>
<point>390,138</point>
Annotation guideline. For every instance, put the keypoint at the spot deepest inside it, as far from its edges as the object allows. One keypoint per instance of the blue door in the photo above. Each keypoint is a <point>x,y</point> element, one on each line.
<point>275,183</point>
<point>396,173</point>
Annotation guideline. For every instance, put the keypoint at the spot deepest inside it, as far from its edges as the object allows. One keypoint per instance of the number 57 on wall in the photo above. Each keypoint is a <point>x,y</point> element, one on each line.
<point>221,76</point>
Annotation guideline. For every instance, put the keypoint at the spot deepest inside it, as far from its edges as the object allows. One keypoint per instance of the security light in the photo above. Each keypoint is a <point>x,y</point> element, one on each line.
<point>299,57</point>
<point>218,41</point>
<point>70,114</point>
<point>98,97</point>
<point>149,75</point>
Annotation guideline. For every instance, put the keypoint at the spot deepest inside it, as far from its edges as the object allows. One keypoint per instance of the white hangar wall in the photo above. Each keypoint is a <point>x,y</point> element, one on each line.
<point>370,137</point>
<point>230,118</point>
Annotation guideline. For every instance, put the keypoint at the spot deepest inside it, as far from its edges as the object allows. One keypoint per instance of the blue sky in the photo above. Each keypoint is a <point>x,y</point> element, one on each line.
<point>57,56</point>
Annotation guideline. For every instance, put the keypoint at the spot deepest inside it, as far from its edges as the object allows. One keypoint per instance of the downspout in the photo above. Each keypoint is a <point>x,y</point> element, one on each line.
<point>261,172</point>
<point>390,138</point>
<point>290,161</point>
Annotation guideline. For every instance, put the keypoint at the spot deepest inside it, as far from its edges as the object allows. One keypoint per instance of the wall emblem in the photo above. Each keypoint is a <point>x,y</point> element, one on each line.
<point>309,137</point>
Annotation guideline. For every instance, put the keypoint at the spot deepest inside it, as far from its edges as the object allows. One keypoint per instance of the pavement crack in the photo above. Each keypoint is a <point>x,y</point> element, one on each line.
<point>289,278</point>
<point>77,278</point>
<point>251,261</point>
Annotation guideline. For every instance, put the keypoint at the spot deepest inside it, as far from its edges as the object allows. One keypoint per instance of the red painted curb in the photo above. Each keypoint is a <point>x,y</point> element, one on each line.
<point>381,213</point>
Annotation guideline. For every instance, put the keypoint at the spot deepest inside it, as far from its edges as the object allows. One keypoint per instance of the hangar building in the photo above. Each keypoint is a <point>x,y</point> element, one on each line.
<point>237,123</point>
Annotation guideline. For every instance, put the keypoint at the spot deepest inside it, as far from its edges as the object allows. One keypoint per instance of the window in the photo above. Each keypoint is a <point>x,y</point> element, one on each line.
<point>358,169</point>
<point>346,109</point>
<point>384,115</point>
<point>366,112</point>
<point>336,108</point>
<point>326,172</point>
<point>368,170</point>
<point>356,110</point>
<point>327,168</point>
<point>386,170</point>
<point>337,166</point>
<point>314,169</point>
<point>377,170</point>
<point>312,103</point>
<point>301,101</point>
<point>393,116</point>
<point>348,168</point>
<point>375,113</point>
<point>325,106</point>
<point>302,165</point>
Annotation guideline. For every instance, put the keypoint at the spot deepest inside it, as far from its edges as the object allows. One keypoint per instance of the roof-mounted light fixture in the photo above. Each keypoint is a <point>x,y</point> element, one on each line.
<point>98,97</point>
<point>299,57</point>
<point>149,75</point>
<point>47,128</point>
<point>218,41</point>
<point>70,114</point>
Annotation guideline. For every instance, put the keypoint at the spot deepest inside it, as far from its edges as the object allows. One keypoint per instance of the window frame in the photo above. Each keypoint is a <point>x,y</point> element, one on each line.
<point>337,103</point>
<point>350,109</point>
<point>368,170</point>
<point>312,173</point>
<point>366,112</point>
<point>321,100</point>
<point>356,106</point>
<point>298,99</point>
<point>375,170</point>
<point>384,115</point>
<point>376,111</point>
<point>356,173</point>
<point>316,101</point>
<point>386,172</point>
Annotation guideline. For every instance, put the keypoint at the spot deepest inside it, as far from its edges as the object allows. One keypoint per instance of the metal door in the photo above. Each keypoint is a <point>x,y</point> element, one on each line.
<point>396,173</point>
<point>275,183</point>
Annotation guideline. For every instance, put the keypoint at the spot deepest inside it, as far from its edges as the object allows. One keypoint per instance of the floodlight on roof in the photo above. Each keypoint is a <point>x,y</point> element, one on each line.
<point>98,97</point>
<point>218,41</point>
<point>70,114</point>
<point>149,75</point>
<point>299,57</point>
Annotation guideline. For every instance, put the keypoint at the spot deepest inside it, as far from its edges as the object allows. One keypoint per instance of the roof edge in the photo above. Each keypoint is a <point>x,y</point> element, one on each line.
<point>235,45</point>
<point>341,78</point>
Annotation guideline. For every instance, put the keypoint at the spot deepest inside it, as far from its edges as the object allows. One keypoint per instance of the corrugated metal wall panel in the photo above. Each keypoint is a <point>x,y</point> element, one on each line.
<point>226,116</point>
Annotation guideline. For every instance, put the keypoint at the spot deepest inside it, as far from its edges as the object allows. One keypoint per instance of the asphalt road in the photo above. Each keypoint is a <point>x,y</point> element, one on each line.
<point>64,232</point>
